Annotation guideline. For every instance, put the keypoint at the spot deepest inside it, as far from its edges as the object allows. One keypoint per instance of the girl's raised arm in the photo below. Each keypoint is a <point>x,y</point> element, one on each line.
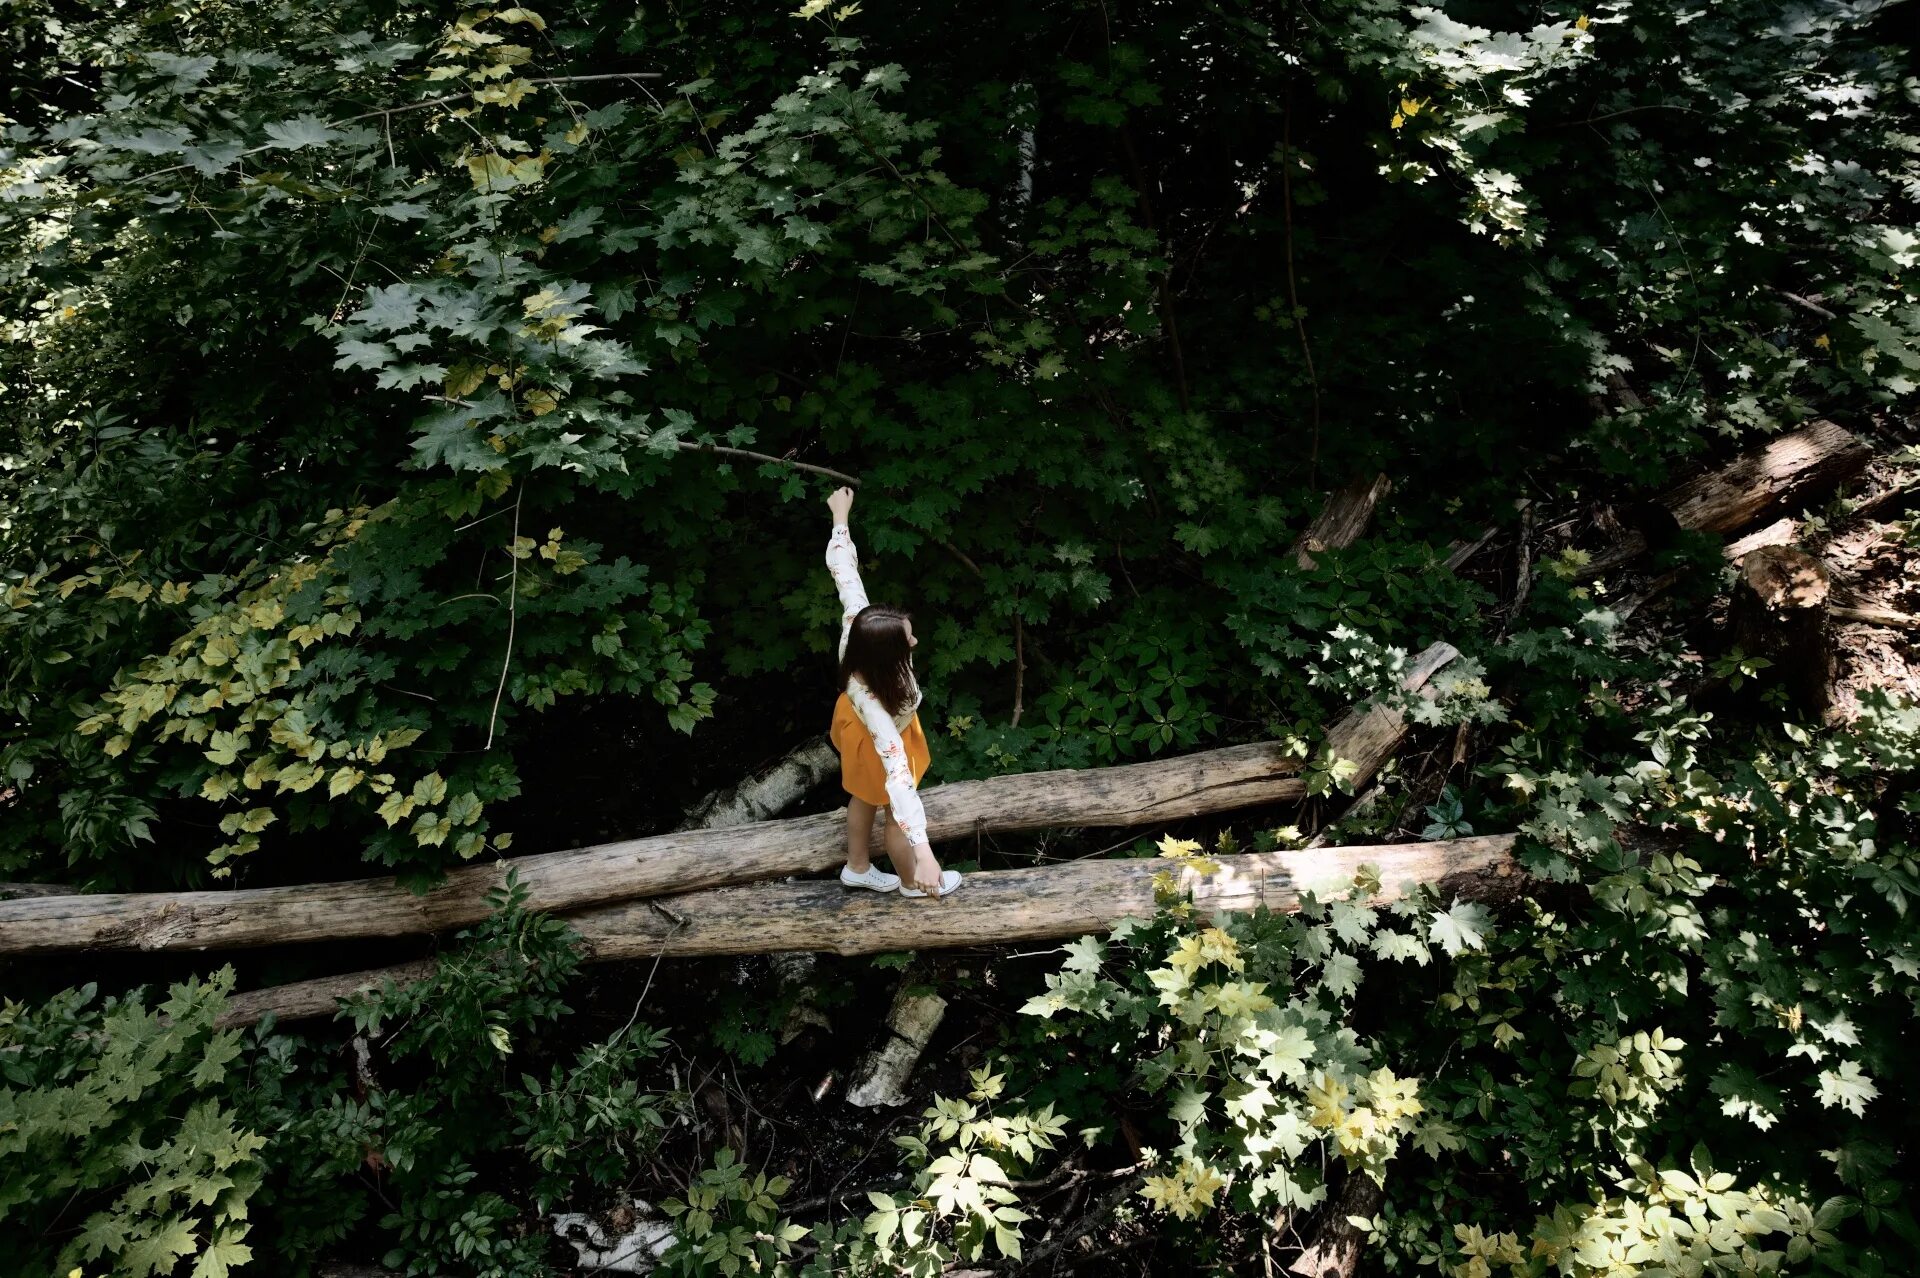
<point>843,562</point>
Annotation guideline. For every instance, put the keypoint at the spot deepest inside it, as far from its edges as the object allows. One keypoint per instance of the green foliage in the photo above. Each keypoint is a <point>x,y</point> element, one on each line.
<point>729,1222</point>
<point>369,372</point>
<point>1238,1033</point>
<point>1738,973</point>
<point>440,269</point>
<point>465,1125</point>
<point>960,1203</point>
<point>120,1151</point>
<point>965,1154</point>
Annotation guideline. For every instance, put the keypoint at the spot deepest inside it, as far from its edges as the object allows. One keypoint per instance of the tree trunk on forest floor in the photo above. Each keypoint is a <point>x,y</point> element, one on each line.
<point>1343,519</point>
<point>883,1073</point>
<point>769,793</point>
<point>1127,795</point>
<point>995,907</point>
<point>1788,468</point>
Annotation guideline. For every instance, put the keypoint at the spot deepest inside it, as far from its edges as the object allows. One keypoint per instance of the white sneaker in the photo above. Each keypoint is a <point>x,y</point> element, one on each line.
<point>874,877</point>
<point>949,880</point>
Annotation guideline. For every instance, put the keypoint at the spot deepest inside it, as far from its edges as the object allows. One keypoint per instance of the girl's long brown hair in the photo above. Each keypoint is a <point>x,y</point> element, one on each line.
<point>877,651</point>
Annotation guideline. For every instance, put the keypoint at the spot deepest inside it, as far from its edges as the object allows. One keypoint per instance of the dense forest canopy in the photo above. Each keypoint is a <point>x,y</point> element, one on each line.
<point>413,424</point>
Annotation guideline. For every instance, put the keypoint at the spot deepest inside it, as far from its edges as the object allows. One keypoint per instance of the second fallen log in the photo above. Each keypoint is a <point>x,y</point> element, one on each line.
<point>993,908</point>
<point>1045,903</point>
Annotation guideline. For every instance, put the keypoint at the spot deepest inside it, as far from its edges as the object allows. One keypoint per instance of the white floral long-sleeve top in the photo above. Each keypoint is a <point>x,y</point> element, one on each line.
<point>843,562</point>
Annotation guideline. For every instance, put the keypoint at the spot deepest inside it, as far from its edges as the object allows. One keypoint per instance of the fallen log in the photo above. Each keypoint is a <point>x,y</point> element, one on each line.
<point>1818,455</point>
<point>996,907</point>
<point>768,794</point>
<point>754,799</point>
<point>1341,521</point>
<point>911,1021</point>
<point>1128,795</point>
<point>1787,469</point>
<point>1369,739</point>
<point>1873,615</point>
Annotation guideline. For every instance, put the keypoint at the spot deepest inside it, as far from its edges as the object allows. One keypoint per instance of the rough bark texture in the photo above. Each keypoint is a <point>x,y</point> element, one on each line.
<point>1335,1250</point>
<point>1001,906</point>
<point>755,799</point>
<point>1130,795</point>
<point>1872,615</point>
<point>1787,469</point>
<point>1343,519</point>
<point>883,1075</point>
<point>993,908</point>
<point>321,996</point>
<point>1818,455</point>
<point>767,795</point>
<point>1779,612</point>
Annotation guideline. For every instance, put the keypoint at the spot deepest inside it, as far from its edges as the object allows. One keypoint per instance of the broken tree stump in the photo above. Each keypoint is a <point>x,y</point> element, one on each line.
<point>1343,519</point>
<point>1779,612</point>
<point>911,1021</point>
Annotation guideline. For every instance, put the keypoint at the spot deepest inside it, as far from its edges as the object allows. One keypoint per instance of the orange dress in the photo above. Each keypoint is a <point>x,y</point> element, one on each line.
<point>861,773</point>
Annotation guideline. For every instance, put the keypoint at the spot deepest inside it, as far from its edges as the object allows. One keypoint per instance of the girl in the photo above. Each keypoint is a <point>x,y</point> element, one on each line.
<point>883,752</point>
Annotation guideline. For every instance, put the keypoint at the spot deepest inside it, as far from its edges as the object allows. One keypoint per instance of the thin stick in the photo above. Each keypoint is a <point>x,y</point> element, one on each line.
<point>1872,616</point>
<point>830,473</point>
<point>1808,303</point>
<point>1019,669</point>
<point>513,616</point>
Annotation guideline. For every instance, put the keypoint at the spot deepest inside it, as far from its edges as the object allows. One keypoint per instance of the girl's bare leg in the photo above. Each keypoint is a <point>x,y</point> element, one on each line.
<point>924,876</point>
<point>859,834</point>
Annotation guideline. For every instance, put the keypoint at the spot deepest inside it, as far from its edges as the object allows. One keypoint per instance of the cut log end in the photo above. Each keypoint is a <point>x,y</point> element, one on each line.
<point>1779,613</point>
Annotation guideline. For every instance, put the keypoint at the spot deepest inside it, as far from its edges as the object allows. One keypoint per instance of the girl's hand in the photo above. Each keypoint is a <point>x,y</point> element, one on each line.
<point>917,878</point>
<point>840,502</point>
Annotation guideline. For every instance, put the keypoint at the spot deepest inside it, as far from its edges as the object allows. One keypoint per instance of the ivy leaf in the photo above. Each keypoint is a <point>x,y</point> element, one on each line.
<point>301,131</point>
<point>222,1256</point>
<point>1847,1087</point>
<point>1341,974</point>
<point>358,354</point>
<point>408,376</point>
<point>1189,1108</point>
<point>1401,948</point>
<point>389,308</point>
<point>1461,928</point>
<point>157,1253</point>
